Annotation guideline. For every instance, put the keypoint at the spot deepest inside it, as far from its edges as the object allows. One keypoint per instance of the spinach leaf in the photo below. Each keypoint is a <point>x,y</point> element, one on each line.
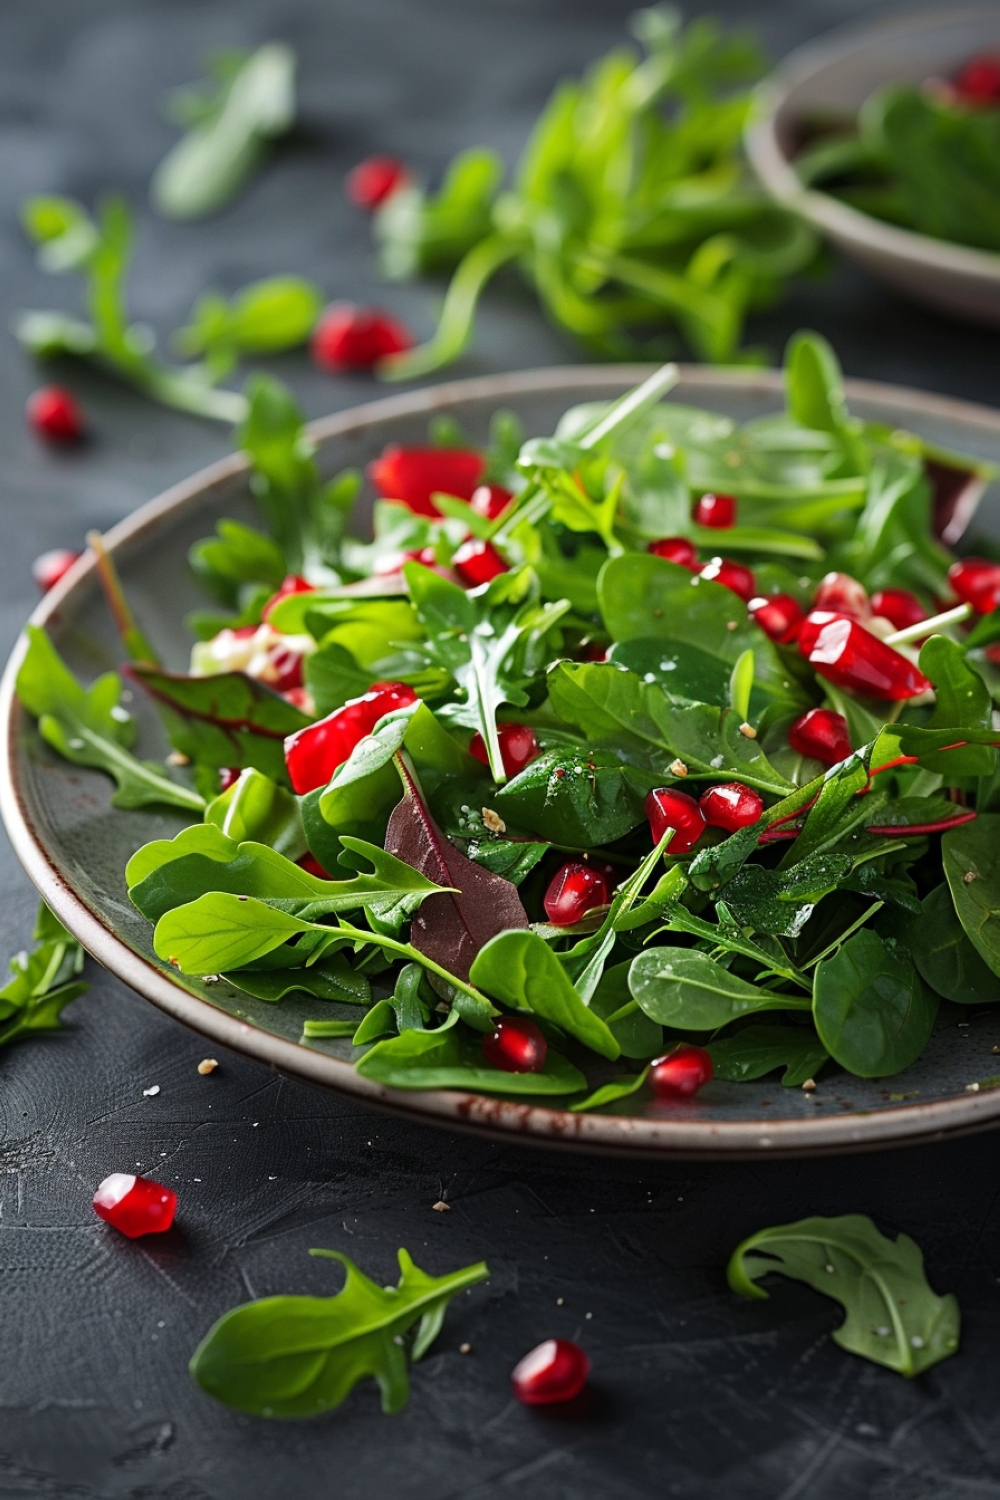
<point>42,982</point>
<point>780,902</point>
<point>632,1029</point>
<point>577,798</point>
<point>450,1058</point>
<point>971,856</point>
<point>521,971</point>
<point>757,1050</point>
<point>873,1012</point>
<point>683,987</point>
<point>944,955</point>
<point>610,1093</point>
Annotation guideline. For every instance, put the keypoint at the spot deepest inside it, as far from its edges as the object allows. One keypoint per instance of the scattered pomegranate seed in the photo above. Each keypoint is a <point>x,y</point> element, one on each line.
<point>778,615</point>
<point>47,569</point>
<point>356,338</point>
<point>978,82</point>
<point>555,1371</point>
<point>314,753</point>
<point>413,475</point>
<point>54,414</point>
<point>135,1205</point>
<point>374,180</point>
<point>842,595</point>
<point>478,562</point>
<point>851,657</point>
<point>574,890</point>
<point>294,583</point>
<point>899,607</point>
<point>717,511</point>
<point>732,575</point>
<point>490,500</point>
<point>228,776</point>
<point>976,581</point>
<point>731,805</point>
<point>676,549</point>
<point>822,734</point>
<point>518,747</point>
<point>681,1073</point>
<point>516,1045</point>
<point>667,808</point>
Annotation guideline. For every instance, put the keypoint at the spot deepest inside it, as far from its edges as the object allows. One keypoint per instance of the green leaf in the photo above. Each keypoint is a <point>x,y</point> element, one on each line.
<point>576,798</point>
<point>219,932</point>
<point>332,979</point>
<point>257,810</point>
<point>521,971</point>
<point>962,702</point>
<point>298,1356</point>
<point>43,982</point>
<point>450,1058</point>
<point>893,1317</point>
<point>235,557</point>
<point>610,1093</point>
<point>971,856</point>
<point>755,1051</point>
<point>684,988</point>
<point>266,317</point>
<point>873,1012</point>
<point>944,955</point>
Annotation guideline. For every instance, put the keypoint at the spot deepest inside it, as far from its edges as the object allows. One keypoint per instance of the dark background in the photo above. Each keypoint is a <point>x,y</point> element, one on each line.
<point>695,1394</point>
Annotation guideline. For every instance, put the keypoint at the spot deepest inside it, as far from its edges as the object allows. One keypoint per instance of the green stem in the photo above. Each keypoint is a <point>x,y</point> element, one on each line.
<point>838,942</point>
<point>928,627</point>
<point>407,950</point>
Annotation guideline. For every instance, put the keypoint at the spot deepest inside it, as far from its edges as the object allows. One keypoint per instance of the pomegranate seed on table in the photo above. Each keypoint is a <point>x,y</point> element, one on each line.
<point>293,584</point>
<point>135,1205</point>
<point>556,1370</point>
<point>667,808</point>
<point>778,615</point>
<point>47,569</point>
<point>574,890</point>
<point>976,581</point>
<point>518,747</point>
<point>978,82</point>
<point>732,575</point>
<point>490,500</point>
<point>821,733</point>
<point>850,657</point>
<point>716,511</point>
<point>516,1045</point>
<point>899,607</point>
<point>356,338</point>
<point>730,805</point>
<point>676,549</point>
<point>413,475</point>
<point>375,179</point>
<point>843,595</point>
<point>477,562</point>
<point>314,753</point>
<point>681,1073</point>
<point>54,414</point>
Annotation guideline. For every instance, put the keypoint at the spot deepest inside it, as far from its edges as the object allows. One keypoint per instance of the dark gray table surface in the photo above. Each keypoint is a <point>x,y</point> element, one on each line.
<point>694,1393</point>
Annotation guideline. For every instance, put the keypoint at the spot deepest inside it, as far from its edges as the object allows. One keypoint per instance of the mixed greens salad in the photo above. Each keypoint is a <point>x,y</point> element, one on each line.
<point>660,730</point>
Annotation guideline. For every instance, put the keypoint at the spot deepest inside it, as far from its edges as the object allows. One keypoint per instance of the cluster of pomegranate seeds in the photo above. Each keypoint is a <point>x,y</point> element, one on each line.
<point>730,805</point>
<point>477,562</point>
<point>681,1073</point>
<point>846,654</point>
<point>490,500</point>
<point>54,415</point>
<point>47,569</point>
<point>135,1205</point>
<point>716,511</point>
<point>676,549</point>
<point>314,753</point>
<point>294,583</point>
<point>978,82</point>
<point>356,338</point>
<point>976,581</point>
<point>822,734</point>
<point>901,608</point>
<point>555,1371</point>
<point>667,808</point>
<point>414,475</point>
<point>375,179</point>
<point>778,615</point>
<point>518,747</point>
<point>732,575</point>
<point>516,1045</point>
<point>574,890</point>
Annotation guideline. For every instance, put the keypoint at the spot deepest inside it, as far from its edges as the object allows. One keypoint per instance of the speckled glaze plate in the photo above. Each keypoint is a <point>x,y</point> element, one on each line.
<point>75,846</point>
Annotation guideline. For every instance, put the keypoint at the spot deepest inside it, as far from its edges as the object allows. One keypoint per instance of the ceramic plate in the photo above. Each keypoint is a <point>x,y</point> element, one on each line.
<point>74,845</point>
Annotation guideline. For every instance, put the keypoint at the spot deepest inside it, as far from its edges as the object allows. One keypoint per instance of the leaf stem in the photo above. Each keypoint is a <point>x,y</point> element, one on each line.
<point>407,950</point>
<point>928,627</point>
<point>838,942</point>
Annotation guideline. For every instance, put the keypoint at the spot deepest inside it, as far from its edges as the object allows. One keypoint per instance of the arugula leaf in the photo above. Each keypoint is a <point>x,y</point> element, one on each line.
<point>521,971</point>
<point>755,1051</point>
<point>893,1316</point>
<point>298,1356</point>
<point>266,317</point>
<point>43,982</point>
<point>331,979</point>
<point>684,988</point>
<point>962,701</point>
<point>448,1059</point>
<point>873,1012</point>
<point>255,808</point>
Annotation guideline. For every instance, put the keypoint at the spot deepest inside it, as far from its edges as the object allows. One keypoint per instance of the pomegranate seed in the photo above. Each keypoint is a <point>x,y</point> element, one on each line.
<point>811,627</point>
<point>294,583</point>
<point>287,664</point>
<point>518,747</point>
<point>667,808</point>
<point>731,805</point>
<point>850,657</point>
<point>54,414</point>
<point>978,82</point>
<point>228,776</point>
<point>314,753</point>
<point>899,607</point>
<point>676,549</point>
<point>312,866</point>
<point>374,180</point>
<point>356,338</point>
<point>302,699</point>
<point>555,1371</point>
<point>413,475</point>
<point>47,569</point>
<point>516,1045</point>
<point>976,581</point>
<point>574,890</point>
<point>822,734</point>
<point>135,1205</point>
<point>842,595</point>
<point>477,562</point>
<point>681,1073</point>
<point>593,651</point>
<point>717,511</point>
<point>490,500</point>
<point>778,615</point>
<point>732,575</point>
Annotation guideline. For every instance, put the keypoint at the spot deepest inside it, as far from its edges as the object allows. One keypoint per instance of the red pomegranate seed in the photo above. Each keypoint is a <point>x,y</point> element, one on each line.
<point>135,1205</point>
<point>850,657</point>
<point>899,607</point>
<point>490,500</point>
<point>478,562</point>
<point>778,615</point>
<point>978,82</point>
<point>288,666</point>
<point>228,776</point>
<point>667,808</point>
<point>676,549</point>
<point>294,583</point>
<point>976,581</point>
<point>314,753</point>
<point>731,805</point>
<point>516,1045</point>
<point>47,569</point>
<point>574,890</point>
<point>717,511</point>
<point>811,627</point>
<point>518,747</point>
<point>681,1073</point>
<point>593,651</point>
<point>356,338</point>
<point>312,866</point>
<point>54,414</point>
<point>374,180</point>
<point>822,734</point>
<point>555,1371</point>
<point>413,475</point>
<point>300,698</point>
<point>842,595</point>
<point>732,575</point>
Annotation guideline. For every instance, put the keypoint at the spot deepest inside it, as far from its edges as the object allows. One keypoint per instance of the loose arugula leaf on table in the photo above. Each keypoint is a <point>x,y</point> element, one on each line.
<point>43,981</point>
<point>893,1316</point>
<point>872,1010</point>
<point>298,1356</point>
<point>448,1058</point>
<point>265,318</point>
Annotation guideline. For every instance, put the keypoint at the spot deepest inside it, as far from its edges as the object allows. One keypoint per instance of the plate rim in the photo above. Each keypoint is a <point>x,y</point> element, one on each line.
<point>676,1135</point>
